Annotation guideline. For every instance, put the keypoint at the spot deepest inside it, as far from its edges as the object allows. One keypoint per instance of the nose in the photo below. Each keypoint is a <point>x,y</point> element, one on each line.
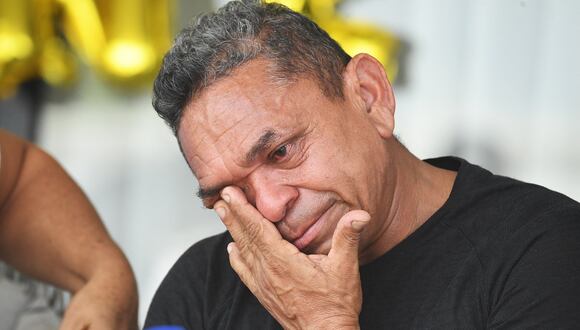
<point>270,196</point>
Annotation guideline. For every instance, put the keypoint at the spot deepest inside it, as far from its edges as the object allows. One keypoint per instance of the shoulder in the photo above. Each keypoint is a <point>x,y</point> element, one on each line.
<point>525,237</point>
<point>488,207</point>
<point>504,219</point>
<point>533,270</point>
<point>202,258</point>
<point>204,254</point>
<point>197,283</point>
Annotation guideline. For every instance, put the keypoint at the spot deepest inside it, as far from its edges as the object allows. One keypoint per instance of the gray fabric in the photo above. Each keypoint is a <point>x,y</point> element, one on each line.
<point>37,315</point>
<point>13,299</point>
<point>26,304</point>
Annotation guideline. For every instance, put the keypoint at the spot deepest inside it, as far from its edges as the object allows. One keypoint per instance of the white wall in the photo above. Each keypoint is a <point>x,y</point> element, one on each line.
<point>495,81</point>
<point>128,163</point>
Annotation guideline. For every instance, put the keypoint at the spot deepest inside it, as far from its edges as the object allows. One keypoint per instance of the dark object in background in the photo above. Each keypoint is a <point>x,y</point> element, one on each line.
<point>19,113</point>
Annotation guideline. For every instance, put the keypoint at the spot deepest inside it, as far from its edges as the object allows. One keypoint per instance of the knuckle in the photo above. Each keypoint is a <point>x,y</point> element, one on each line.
<point>219,203</point>
<point>253,231</point>
<point>244,245</point>
<point>350,238</point>
<point>277,267</point>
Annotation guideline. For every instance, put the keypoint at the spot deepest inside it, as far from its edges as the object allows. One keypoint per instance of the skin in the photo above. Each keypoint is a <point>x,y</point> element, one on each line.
<point>49,230</point>
<point>300,176</point>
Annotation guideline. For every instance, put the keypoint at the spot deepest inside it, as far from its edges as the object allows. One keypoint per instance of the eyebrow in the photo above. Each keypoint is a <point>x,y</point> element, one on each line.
<point>264,142</point>
<point>204,193</point>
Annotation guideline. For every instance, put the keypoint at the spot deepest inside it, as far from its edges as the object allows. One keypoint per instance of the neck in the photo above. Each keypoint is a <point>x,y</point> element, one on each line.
<point>415,191</point>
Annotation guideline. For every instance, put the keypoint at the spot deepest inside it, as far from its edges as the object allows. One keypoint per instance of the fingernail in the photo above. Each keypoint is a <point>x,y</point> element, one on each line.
<point>358,224</point>
<point>229,247</point>
<point>221,212</point>
<point>226,197</point>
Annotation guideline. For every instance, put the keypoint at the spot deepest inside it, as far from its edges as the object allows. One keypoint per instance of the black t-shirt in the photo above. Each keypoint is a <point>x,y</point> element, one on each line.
<point>499,253</point>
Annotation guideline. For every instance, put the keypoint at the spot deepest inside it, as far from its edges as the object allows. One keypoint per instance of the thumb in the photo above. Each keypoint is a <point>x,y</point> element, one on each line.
<point>346,237</point>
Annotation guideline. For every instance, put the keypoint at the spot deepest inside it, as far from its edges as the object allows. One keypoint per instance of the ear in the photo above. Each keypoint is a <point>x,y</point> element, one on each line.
<point>366,84</point>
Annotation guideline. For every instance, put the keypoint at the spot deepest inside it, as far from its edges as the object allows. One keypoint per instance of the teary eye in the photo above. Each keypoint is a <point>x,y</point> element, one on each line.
<point>280,153</point>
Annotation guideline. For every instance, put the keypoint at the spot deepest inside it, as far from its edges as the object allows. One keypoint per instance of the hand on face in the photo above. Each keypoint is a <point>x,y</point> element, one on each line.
<point>300,291</point>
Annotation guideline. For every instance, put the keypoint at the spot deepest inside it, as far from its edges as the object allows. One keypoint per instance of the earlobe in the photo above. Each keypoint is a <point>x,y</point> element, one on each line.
<point>366,81</point>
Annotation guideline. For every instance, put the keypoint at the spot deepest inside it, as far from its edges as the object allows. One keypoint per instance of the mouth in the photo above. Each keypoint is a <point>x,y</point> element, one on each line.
<point>312,231</point>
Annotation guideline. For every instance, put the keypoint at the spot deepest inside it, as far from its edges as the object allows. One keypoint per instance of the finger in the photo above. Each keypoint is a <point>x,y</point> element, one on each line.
<point>71,321</point>
<point>317,258</point>
<point>238,264</point>
<point>67,323</point>
<point>244,221</point>
<point>346,237</point>
<point>72,325</point>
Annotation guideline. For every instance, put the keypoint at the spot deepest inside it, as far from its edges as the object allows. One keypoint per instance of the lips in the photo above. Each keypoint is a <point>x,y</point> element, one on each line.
<point>311,232</point>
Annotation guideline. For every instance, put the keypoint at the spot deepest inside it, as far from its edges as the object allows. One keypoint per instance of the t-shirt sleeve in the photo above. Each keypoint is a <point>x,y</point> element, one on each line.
<point>542,286</point>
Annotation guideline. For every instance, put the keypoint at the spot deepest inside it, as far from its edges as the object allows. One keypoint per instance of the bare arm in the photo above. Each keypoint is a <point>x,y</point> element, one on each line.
<point>49,230</point>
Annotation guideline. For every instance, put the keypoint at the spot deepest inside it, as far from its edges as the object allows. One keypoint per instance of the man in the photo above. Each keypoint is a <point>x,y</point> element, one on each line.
<point>49,230</point>
<point>332,223</point>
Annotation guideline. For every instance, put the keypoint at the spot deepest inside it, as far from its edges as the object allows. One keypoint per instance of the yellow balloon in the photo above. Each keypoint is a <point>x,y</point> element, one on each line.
<point>16,45</point>
<point>138,34</point>
<point>296,5</point>
<point>159,25</point>
<point>322,9</point>
<point>57,64</point>
<point>124,40</point>
<point>15,31</point>
<point>354,36</point>
<point>84,29</point>
<point>360,37</point>
<point>127,58</point>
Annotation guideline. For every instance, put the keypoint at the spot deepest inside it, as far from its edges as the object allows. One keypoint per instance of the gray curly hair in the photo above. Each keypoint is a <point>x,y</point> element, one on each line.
<point>217,43</point>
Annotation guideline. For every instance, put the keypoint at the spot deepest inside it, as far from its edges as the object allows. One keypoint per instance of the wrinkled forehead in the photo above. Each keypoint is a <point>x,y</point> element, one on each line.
<point>228,118</point>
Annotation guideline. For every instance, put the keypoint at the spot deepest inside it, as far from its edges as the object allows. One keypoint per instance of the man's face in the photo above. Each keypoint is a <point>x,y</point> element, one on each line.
<point>302,159</point>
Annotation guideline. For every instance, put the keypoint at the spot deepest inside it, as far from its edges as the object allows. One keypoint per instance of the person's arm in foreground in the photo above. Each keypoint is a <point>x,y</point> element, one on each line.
<point>283,278</point>
<point>49,230</point>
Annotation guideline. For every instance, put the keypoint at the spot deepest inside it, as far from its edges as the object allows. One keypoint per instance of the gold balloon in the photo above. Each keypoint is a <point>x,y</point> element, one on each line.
<point>16,45</point>
<point>360,37</point>
<point>57,65</point>
<point>124,40</point>
<point>83,28</point>
<point>159,25</point>
<point>15,31</point>
<point>322,9</point>
<point>296,5</point>
<point>56,62</point>
<point>129,53</point>
<point>354,36</point>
